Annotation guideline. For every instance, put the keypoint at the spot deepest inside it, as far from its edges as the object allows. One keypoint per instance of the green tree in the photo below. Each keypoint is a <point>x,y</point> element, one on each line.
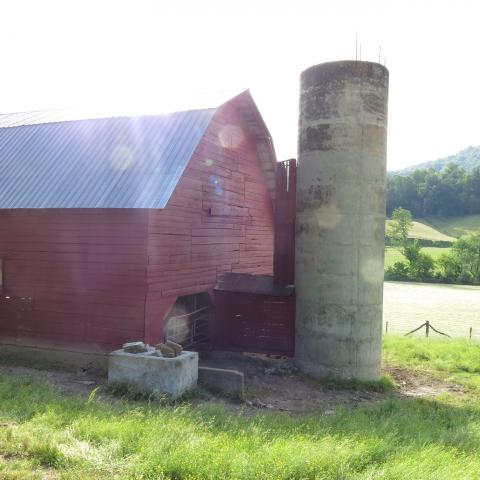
<point>419,266</point>
<point>400,226</point>
<point>450,267</point>
<point>448,191</point>
<point>466,250</point>
<point>462,264</point>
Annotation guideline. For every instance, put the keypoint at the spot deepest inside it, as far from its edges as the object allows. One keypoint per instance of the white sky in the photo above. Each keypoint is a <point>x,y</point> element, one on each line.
<point>105,53</point>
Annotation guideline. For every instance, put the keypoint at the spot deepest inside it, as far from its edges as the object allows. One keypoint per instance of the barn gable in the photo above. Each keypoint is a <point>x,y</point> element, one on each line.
<point>56,160</point>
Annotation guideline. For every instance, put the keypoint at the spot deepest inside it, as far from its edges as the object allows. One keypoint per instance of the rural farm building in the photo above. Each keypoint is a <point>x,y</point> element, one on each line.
<point>108,226</point>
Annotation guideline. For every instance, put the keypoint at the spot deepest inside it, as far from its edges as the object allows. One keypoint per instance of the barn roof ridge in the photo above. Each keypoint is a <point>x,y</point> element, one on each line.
<point>56,165</point>
<point>72,114</point>
<point>47,117</point>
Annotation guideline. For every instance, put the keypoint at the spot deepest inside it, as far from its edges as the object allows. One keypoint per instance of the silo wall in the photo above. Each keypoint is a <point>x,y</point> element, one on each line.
<point>340,224</point>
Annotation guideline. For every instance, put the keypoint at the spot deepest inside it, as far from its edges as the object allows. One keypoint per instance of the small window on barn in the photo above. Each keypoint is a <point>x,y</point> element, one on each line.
<point>188,322</point>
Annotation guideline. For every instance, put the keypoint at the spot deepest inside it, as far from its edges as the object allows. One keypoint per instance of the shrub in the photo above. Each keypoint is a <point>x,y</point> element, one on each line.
<point>398,272</point>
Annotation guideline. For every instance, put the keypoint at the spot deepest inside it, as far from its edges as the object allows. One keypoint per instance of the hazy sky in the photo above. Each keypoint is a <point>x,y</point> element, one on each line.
<point>88,53</point>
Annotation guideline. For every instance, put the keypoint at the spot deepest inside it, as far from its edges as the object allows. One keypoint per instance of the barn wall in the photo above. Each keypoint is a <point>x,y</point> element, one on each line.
<point>254,323</point>
<point>219,219</point>
<point>73,278</point>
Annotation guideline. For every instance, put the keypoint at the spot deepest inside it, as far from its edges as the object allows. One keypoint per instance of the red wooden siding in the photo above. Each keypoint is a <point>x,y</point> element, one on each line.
<point>219,219</point>
<point>256,313</point>
<point>91,279</point>
<point>254,323</point>
<point>73,278</point>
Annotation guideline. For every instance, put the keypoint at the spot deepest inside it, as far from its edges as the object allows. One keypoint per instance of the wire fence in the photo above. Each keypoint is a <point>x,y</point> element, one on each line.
<point>432,309</point>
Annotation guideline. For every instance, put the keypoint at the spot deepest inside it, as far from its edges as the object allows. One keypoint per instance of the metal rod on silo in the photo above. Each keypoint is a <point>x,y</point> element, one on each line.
<point>340,222</point>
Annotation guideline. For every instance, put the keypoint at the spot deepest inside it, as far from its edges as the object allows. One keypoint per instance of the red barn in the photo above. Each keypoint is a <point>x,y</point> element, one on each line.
<point>108,226</point>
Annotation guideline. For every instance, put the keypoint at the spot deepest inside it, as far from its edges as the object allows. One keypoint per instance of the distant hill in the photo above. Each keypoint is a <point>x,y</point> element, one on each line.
<point>468,159</point>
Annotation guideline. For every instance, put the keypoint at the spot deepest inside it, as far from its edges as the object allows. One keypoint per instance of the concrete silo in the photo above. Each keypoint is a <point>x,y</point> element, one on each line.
<point>340,223</point>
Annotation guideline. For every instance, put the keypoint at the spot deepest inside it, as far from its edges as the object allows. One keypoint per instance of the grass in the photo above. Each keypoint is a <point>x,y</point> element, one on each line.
<point>393,255</point>
<point>454,226</point>
<point>421,230</point>
<point>455,360</point>
<point>45,434</point>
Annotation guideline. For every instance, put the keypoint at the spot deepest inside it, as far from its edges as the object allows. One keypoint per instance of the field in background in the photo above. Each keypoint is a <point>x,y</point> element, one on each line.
<point>422,231</point>
<point>454,226</point>
<point>452,309</point>
<point>443,228</point>
<point>392,254</point>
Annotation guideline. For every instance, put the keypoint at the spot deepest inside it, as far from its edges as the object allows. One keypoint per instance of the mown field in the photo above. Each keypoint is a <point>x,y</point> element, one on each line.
<point>393,255</point>
<point>49,434</point>
<point>443,228</point>
<point>452,309</point>
<point>435,229</point>
<point>423,231</point>
<point>453,226</point>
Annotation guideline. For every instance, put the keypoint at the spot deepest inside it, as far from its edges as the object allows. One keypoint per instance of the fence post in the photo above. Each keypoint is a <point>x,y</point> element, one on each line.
<point>471,329</point>
<point>427,328</point>
<point>386,328</point>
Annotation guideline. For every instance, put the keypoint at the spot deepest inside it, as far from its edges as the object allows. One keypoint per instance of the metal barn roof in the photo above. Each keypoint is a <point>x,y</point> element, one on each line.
<point>132,162</point>
<point>72,159</point>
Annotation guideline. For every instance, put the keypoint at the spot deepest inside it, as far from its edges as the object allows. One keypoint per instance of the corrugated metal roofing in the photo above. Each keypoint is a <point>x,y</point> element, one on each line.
<point>125,162</point>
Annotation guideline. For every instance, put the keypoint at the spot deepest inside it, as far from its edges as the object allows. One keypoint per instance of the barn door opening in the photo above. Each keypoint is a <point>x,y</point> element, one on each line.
<point>188,322</point>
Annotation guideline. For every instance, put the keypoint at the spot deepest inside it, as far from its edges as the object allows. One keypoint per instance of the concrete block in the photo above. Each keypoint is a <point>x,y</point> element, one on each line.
<point>150,373</point>
<point>229,382</point>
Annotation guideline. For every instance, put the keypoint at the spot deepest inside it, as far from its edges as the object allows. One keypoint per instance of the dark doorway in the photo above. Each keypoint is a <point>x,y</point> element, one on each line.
<point>188,322</point>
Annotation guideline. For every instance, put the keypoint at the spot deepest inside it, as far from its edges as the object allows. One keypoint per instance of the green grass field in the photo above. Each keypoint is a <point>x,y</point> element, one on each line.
<point>49,434</point>
<point>422,231</point>
<point>443,228</point>
<point>454,226</point>
<point>436,229</point>
<point>392,254</point>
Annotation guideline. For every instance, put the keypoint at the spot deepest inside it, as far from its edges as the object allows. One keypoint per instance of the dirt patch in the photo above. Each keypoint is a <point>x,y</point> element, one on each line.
<point>417,384</point>
<point>272,384</point>
<point>276,384</point>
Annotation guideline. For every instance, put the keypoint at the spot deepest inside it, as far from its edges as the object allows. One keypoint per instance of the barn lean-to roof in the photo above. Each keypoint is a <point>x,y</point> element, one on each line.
<point>66,159</point>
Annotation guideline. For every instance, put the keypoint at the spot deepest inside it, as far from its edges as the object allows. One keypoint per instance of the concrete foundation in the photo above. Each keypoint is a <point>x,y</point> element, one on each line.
<point>340,222</point>
<point>150,373</point>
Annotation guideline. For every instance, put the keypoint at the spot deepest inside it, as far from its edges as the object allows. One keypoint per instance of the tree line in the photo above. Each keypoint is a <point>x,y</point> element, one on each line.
<point>450,192</point>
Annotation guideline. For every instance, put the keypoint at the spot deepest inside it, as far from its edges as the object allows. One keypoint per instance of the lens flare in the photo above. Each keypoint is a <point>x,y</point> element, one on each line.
<point>122,157</point>
<point>231,136</point>
<point>328,216</point>
<point>372,270</point>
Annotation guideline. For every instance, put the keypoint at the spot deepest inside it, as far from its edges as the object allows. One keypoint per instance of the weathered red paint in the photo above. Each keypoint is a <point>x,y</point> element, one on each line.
<point>253,322</point>
<point>83,273</point>
<point>91,279</point>
<point>257,313</point>
<point>219,219</point>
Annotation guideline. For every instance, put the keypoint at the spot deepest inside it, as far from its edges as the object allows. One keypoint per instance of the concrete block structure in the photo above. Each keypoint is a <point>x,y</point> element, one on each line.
<point>150,373</point>
<point>340,219</point>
